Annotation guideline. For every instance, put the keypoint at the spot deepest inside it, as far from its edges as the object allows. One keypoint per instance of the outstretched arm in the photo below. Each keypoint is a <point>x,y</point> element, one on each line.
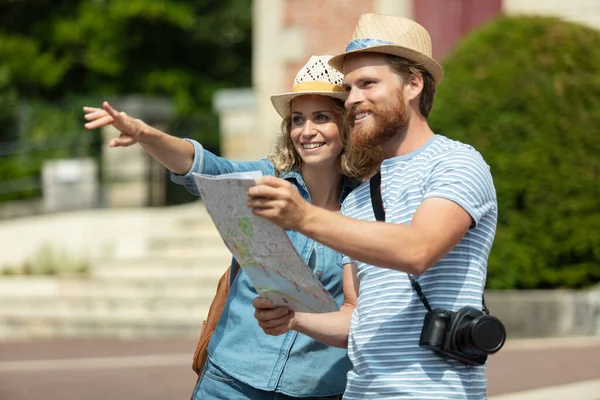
<point>180,156</point>
<point>457,194</point>
<point>331,329</point>
<point>177,155</point>
<point>437,226</point>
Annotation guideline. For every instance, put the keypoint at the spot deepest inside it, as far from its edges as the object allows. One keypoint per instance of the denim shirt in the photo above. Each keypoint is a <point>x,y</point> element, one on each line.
<point>292,363</point>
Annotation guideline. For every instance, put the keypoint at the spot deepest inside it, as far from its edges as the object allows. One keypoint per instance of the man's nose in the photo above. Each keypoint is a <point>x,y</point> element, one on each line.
<point>354,97</point>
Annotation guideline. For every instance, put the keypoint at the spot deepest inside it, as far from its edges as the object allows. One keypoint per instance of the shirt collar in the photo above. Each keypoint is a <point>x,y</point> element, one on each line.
<point>347,184</point>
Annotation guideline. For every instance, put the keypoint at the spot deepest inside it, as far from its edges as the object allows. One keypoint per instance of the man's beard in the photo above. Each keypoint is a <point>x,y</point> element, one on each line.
<point>386,123</point>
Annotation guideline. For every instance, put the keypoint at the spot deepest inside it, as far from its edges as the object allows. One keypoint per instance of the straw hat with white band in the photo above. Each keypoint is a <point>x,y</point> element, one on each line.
<point>392,35</point>
<point>316,77</point>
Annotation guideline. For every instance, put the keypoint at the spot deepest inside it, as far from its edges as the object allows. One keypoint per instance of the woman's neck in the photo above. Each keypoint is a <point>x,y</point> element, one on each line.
<point>324,186</point>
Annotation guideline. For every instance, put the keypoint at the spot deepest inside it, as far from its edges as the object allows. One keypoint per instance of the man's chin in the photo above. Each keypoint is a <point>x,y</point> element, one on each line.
<point>364,140</point>
<point>362,129</point>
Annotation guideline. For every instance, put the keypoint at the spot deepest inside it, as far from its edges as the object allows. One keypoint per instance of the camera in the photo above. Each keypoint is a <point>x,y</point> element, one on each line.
<point>467,335</point>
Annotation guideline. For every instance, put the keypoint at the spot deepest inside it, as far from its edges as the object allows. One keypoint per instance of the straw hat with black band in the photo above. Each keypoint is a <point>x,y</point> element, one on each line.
<point>397,36</point>
<point>316,77</point>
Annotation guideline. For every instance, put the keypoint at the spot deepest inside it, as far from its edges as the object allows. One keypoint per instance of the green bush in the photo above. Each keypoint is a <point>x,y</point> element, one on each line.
<point>525,92</point>
<point>49,260</point>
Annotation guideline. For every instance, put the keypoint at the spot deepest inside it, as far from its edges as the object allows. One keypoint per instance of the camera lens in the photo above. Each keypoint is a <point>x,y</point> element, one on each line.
<point>481,336</point>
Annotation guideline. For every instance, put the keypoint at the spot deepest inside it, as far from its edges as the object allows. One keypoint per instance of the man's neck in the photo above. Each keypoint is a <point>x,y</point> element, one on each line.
<point>415,136</point>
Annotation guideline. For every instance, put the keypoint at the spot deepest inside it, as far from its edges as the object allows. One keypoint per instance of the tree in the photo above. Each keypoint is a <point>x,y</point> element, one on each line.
<point>59,56</point>
<point>184,49</point>
<point>525,92</point>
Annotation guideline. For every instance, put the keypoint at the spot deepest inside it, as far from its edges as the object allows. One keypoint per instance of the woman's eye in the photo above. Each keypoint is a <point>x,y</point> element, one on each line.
<point>322,117</point>
<point>297,120</point>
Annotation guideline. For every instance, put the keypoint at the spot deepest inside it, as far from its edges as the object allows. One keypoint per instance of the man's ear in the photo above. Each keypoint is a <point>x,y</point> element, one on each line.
<point>414,86</point>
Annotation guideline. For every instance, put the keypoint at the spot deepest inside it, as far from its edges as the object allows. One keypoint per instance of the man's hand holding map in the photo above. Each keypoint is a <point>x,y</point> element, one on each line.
<point>262,249</point>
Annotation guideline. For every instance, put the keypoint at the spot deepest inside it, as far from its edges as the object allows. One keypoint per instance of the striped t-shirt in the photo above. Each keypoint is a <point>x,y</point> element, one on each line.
<point>386,325</point>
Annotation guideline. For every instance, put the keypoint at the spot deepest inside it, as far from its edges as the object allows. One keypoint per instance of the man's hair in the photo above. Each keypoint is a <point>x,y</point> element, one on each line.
<point>406,69</point>
<point>356,165</point>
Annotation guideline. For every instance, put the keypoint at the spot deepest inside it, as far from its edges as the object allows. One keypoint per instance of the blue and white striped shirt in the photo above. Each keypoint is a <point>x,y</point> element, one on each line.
<point>386,325</point>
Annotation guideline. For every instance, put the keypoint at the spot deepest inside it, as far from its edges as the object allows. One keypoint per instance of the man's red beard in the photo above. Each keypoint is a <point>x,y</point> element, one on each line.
<point>386,123</point>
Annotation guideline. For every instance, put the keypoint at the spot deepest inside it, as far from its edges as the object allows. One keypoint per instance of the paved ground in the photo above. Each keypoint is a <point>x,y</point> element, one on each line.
<point>160,369</point>
<point>533,364</point>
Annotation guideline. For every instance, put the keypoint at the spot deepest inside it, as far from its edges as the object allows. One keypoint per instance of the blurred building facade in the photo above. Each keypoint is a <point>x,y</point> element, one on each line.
<point>287,32</point>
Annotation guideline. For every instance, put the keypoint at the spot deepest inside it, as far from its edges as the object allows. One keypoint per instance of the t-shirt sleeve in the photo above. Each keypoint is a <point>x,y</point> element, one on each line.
<point>462,176</point>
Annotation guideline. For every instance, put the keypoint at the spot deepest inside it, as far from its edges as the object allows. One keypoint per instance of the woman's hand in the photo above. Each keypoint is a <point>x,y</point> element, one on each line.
<point>131,129</point>
<point>274,321</point>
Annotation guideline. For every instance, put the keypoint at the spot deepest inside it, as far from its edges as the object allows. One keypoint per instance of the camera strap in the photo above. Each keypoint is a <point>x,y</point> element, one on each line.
<point>379,211</point>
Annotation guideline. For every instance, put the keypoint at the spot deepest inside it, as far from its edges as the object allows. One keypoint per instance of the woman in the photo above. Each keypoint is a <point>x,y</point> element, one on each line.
<point>313,153</point>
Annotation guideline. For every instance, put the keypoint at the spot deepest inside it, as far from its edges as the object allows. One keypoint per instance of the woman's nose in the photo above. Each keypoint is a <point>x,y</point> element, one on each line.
<point>309,128</point>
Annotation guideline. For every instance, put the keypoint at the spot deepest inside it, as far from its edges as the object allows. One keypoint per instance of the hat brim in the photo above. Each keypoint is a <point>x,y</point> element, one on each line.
<point>282,102</point>
<point>430,65</point>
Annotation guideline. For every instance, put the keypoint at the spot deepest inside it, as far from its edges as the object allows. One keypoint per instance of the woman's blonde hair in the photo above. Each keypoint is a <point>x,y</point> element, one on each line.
<point>357,165</point>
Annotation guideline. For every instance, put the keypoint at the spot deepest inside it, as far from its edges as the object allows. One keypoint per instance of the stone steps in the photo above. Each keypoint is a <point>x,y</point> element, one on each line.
<point>44,325</point>
<point>209,268</point>
<point>100,307</point>
<point>32,287</point>
<point>104,306</point>
<point>187,244</point>
<point>164,289</point>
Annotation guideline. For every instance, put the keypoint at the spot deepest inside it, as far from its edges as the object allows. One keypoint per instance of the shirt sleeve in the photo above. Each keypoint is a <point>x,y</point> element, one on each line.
<point>462,176</point>
<point>208,163</point>
<point>187,179</point>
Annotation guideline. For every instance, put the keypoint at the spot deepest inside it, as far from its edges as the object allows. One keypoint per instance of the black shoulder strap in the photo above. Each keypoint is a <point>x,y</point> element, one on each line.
<point>235,267</point>
<point>379,211</point>
<point>376,200</point>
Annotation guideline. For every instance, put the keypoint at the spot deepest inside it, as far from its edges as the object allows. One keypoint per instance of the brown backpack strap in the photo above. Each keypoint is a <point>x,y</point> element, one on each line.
<point>214,314</point>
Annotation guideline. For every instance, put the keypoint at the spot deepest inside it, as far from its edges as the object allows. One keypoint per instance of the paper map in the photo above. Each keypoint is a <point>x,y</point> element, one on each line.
<point>262,248</point>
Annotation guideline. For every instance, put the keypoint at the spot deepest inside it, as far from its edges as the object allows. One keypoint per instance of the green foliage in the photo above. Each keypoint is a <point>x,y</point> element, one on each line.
<point>525,92</point>
<point>50,260</point>
<point>184,49</point>
<point>56,54</point>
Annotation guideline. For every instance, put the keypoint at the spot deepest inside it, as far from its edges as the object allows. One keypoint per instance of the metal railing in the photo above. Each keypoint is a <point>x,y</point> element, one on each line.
<point>21,163</point>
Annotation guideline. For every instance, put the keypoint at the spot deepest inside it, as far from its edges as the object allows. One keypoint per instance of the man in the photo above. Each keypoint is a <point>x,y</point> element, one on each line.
<point>440,212</point>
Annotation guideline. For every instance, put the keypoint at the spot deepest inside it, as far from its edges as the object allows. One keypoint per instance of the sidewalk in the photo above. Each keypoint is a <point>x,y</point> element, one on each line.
<point>159,369</point>
<point>546,369</point>
<point>589,390</point>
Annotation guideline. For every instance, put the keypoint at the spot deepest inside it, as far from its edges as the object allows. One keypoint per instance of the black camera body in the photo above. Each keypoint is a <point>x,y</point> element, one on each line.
<point>467,335</point>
